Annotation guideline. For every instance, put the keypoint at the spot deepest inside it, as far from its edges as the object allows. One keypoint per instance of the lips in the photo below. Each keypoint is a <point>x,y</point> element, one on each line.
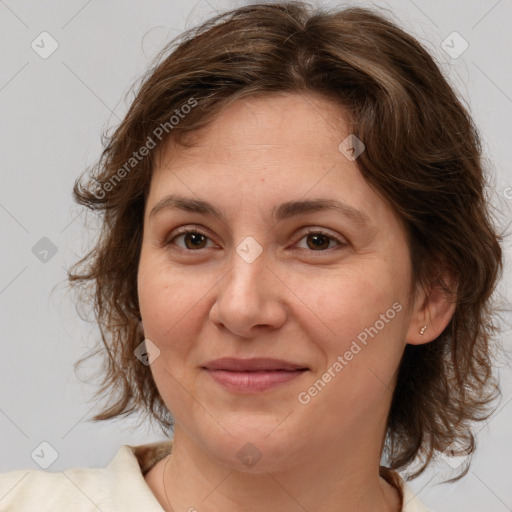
<point>252,375</point>
<point>252,365</point>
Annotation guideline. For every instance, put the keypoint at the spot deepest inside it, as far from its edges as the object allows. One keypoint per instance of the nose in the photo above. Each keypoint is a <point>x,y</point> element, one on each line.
<point>249,298</point>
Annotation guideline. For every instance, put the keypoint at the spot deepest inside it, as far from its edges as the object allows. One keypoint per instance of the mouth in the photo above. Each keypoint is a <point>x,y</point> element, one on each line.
<point>252,375</point>
<point>258,364</point>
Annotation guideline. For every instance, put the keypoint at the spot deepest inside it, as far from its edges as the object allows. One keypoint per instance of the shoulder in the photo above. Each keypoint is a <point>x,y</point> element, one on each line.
<point>411,502</point>
<point>80,489</point>
<point>119,486</point>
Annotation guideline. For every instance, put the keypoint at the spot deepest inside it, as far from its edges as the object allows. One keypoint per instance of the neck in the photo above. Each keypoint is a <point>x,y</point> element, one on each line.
<point>338,481</point>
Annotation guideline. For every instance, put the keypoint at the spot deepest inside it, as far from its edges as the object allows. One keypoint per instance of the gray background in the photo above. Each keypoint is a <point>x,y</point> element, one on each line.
<point>52,113</point>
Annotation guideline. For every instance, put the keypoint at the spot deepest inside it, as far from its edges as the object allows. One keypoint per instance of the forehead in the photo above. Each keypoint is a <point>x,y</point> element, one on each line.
<point>285,121</point>
<point>261,152</point>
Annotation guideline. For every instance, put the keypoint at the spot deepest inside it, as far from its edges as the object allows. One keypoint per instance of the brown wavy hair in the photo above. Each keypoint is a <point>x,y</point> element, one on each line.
<point>423,156</point>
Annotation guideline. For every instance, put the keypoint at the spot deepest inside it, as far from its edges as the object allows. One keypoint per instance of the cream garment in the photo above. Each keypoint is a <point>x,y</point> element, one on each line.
<point>119,487</point>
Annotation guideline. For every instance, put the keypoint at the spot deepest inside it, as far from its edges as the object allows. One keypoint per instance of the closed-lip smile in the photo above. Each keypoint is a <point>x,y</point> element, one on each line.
<point>252,375</point>
<point>252,365</point>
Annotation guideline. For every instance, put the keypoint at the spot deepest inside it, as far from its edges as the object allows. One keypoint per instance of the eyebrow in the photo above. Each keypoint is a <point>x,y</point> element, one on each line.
<point>283,211</point>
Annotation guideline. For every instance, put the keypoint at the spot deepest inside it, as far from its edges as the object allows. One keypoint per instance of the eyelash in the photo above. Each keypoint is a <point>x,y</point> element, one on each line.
<point>311,231</point>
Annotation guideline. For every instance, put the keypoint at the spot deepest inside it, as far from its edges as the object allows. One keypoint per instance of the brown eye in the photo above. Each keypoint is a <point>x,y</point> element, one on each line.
<point>193,240</point>
<point>319,241</point>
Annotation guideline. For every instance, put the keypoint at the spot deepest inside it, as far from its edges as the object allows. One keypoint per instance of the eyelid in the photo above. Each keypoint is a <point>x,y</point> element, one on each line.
<point>183,230</point>
<point>340,240</point>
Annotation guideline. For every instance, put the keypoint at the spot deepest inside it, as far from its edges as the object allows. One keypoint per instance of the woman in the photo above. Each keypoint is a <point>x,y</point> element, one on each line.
<point>294,272</point>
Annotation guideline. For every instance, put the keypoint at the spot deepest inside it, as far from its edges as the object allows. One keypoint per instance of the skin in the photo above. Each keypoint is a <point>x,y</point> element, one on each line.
<point>294,302</point>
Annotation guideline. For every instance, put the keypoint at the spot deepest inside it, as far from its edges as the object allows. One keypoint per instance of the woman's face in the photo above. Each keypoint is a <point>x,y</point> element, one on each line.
<point>323,290</point>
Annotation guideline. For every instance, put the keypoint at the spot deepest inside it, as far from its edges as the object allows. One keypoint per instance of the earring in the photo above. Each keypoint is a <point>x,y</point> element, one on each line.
<point>423,329</point>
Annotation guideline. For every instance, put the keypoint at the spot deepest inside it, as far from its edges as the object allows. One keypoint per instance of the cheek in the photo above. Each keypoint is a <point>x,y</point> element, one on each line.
<point>345,303</point>
<point>361,322</point>
<point>169,300</point>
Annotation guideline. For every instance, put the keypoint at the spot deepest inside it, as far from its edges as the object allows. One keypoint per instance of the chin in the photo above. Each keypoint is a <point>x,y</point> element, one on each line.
<point>253,445</point>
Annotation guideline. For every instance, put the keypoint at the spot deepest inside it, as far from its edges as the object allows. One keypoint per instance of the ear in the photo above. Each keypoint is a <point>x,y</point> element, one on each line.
<point>433,309</point>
